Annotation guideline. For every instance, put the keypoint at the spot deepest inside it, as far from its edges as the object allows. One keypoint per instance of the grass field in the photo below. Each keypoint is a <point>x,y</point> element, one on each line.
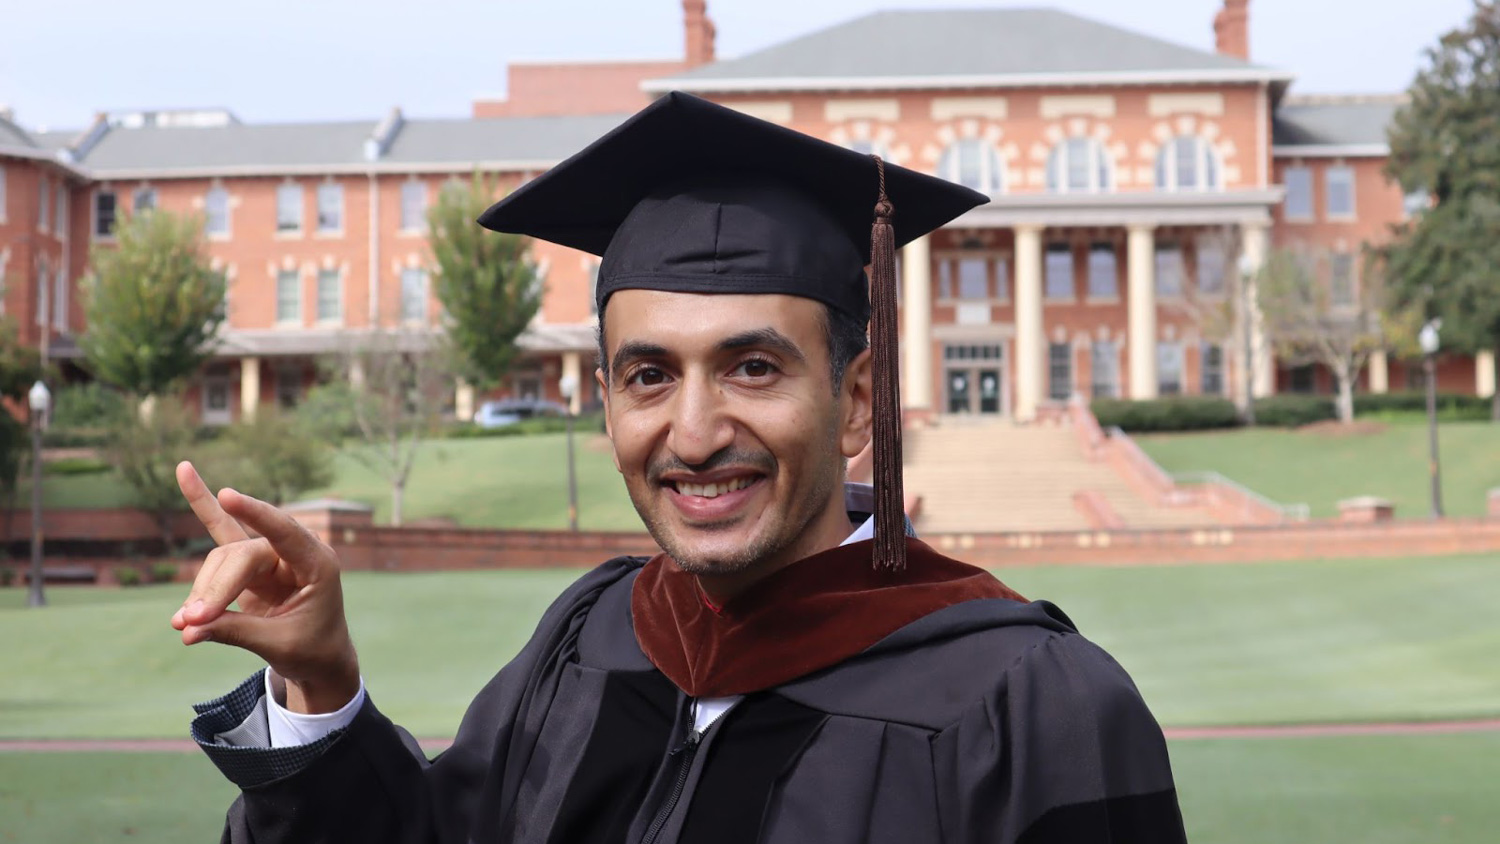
<point>1371,790</point>
<point>1251,644</point>
<point>1319,469</point>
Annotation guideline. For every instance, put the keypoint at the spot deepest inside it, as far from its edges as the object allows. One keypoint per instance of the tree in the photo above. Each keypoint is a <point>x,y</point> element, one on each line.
<point>153,304</point>
<point>20,367</point>
<point>145,450</point>
<point>276,457</point>
<point>486,281</point>
<point>386,391</point>
<point>1317,311</point>
<point>1445,151</point>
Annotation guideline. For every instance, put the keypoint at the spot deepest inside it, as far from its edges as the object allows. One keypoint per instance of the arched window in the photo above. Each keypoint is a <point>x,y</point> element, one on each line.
<point>973,163</point>
<point>1187,162</point>
<point>1080,165</point>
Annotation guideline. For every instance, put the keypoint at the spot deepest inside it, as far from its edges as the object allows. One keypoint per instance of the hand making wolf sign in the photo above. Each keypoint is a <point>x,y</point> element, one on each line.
<point>291,606</point>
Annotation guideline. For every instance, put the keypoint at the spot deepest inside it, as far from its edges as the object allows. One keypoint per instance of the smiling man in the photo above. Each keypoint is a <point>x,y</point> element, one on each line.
<point>794,667</point>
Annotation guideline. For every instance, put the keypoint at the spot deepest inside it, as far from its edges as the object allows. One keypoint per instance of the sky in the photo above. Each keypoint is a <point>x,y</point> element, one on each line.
<point>289,60</point>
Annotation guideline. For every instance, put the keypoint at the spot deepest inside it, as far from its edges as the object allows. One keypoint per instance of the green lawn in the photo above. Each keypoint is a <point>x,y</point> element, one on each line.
<point>1372,790</point>
<point>1319,469</point>
<point>1268,643</point>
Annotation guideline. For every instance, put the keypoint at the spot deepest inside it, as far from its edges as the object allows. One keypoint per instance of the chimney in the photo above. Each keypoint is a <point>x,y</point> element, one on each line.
<point>1232,29</point>
<point>698,33</point>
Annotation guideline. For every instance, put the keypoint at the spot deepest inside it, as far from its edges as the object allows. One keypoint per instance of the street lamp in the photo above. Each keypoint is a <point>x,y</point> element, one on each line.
<point>1247,367</point>
<point>568,387</point>
<point>39,398</point>
<point>1428,340</point>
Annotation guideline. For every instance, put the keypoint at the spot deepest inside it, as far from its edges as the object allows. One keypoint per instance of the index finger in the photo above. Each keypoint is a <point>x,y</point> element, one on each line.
<point>292,542</point>
<point>221,526</point>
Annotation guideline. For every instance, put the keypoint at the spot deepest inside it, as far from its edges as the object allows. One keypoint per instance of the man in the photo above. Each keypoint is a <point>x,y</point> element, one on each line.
<point>791,669</point>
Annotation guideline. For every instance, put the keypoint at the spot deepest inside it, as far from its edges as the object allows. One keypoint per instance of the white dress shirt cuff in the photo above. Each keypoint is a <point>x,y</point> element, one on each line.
<point>292,729</point>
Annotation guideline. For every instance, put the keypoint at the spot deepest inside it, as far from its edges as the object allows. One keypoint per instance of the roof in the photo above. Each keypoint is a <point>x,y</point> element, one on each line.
<point>926,48</point>
<point>1333,125</point>
<point>268,145</point>
<point>12,135</point>
<point>510,139</point>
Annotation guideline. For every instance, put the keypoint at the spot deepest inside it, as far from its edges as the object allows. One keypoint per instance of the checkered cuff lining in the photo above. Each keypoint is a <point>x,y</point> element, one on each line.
<point>233,731</point>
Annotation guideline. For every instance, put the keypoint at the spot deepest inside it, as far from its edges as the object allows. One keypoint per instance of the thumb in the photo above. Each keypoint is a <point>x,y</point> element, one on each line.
<point>237,629</point>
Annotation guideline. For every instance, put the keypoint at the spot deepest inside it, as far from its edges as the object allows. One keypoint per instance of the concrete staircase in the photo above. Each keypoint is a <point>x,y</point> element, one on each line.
<point>1002,477</point>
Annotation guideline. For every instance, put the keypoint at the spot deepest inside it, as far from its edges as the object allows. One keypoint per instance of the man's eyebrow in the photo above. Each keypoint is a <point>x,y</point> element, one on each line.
<point>768,338</point>
<point>633,350</point>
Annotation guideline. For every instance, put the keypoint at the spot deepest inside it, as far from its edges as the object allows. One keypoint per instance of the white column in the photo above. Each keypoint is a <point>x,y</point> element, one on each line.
<point>463,401</point>
<point>1141,294</point>
<point>1380,373</point>
<point>1029,334</point>
<point>916,285</point>
<point>249,387</point>
<point>572,367</point>
<point>1484,374</point>
<point>1263,372</point>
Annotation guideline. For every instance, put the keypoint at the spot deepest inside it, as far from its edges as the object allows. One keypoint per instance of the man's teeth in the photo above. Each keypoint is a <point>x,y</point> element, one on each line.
<point>713,490</point>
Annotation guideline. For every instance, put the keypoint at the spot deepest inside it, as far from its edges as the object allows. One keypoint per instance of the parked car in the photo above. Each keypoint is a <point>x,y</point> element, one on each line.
<point>502,412</point>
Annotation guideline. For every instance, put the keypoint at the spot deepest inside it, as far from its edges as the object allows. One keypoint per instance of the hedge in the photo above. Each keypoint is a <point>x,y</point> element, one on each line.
<point>1451,407</point>
<point>1177,413</point>
<point>536,425</point>
<point>1292,410</point>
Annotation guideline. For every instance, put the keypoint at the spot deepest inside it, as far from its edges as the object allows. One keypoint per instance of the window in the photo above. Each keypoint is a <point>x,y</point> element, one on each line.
<point>60,211</point>
<point>43,213</point>
<point>413,294</point>
<point>288,387</point>
<point>1168,270</point>
<point>593,288</point>
<point>216,210</point>
<point>43,277</point>
<point>945,279</point>
<point>289,208</point>
<point>1104,273</point>
<point>1187,162</point>
<point>1298,193</point>
<point>1104,362</point>
<point>330,296</point>
<point>1412,204</point>
<point>1079,165</point>
<point>1339,182</point>
<point>1303,379</point>
<point>223,278</point>
<point>413,206</point>
<point>104,214</point>
<point>3,214</point>
<point>1169,369</point>
<point>330,207</point>
<point>973,278</point>
<point>1212,369</point>
<point>1059,371</point>
<point>143,200</point>
<point>1341,280</point>
<point>1212,266</point>
<point>60,300</point>
<point>1002,278</point>
<point>289,296</point>
<point>973,163</point>
<point>1057,272</point>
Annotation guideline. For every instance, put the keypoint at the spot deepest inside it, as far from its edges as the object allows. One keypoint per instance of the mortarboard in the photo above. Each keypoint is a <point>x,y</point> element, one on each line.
<point>689,196</point>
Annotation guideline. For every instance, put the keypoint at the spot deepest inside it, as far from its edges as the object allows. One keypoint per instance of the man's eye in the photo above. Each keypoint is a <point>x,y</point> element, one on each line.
<point>757,368</point>
<point>647,376</point>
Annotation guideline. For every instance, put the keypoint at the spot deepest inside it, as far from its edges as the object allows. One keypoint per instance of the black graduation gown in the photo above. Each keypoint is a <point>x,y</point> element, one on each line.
<point>991,720</point>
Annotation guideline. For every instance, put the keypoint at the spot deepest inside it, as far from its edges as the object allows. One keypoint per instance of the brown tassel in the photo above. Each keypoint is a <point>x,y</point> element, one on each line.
<point>890,503</point>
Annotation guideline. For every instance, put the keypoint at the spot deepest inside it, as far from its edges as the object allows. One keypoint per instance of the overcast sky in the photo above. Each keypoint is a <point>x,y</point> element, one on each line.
<point>284,60</point>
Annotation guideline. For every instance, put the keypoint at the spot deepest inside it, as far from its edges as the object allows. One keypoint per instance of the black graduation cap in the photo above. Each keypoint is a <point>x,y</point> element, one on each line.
<point>690,196</point>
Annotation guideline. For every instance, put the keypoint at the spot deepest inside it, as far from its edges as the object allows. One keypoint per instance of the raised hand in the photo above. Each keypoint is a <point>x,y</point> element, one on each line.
<point>286,582</point>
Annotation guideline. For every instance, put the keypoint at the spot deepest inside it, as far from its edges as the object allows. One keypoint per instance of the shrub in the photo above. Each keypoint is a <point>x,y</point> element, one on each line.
<point>1451,407</point>
<point>76,466</point>
<point>1176,413</point>
<point>162,572</point>
<point>1291,411</point>
<point>128,576</point>
<point>7,575</point>
<point>88,406</point>
<point>537,425</point>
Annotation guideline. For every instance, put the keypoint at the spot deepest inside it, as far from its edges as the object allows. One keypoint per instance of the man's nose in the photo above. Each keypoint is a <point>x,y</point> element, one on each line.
<point>700,426</point>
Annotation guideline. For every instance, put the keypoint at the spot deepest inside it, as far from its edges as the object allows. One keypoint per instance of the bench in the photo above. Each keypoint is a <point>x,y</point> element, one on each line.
<point>63,574</point>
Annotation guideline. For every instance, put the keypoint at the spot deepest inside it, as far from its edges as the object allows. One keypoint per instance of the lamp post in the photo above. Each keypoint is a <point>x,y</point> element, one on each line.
<point>1428,339</point>
<point>39,398</point>
<point>1247,319</point>
<point>568,386</point>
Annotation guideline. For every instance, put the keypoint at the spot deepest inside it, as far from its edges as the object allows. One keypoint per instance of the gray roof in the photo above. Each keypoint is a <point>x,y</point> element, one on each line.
<point>267,145</point>
<point>511,139</point>
<point>1334,122</point>
<point>968,43</point>
<point>55,139</point>
<point>12,135</point>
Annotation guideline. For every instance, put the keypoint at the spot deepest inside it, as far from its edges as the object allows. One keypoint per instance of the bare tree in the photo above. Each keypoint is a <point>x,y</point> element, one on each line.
<point>386,391</point>
<point>1319,310</point>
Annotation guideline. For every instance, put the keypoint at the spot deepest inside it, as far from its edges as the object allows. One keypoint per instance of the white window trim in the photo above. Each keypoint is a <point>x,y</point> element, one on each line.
<point>1179,351</point>
<point>4,198</point>
<point>1182,279</point>
<point>426,297</point>
<point>319,319</point>
<point>1312,205</point>
<point>318,230</point>
<point>301,230</point>
<point>420,229</point>
<point>60,297</point>
<point>1072,297</point>
<point>300,319</point>
<point>996,259</point>
<point>62,212</point>
<point>228,231</point>
<point>1115,381</point>
<point>44,209</point>
<point>1203,348</point>
<point>94,214</point>
<point>135,195</point>
<point>1100,159</point>
<point>1353,212</point>
<point>1088,291</point>
<point>1203,151</point>
<point>992,172</point>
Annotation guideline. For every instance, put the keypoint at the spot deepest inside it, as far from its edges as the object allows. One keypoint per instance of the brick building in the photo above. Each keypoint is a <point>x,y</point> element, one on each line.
<point>1131,178</point>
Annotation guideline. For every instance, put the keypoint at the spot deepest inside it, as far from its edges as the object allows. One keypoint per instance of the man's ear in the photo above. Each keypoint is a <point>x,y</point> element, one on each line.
<point>857,404</point>
<point>609,428</point>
